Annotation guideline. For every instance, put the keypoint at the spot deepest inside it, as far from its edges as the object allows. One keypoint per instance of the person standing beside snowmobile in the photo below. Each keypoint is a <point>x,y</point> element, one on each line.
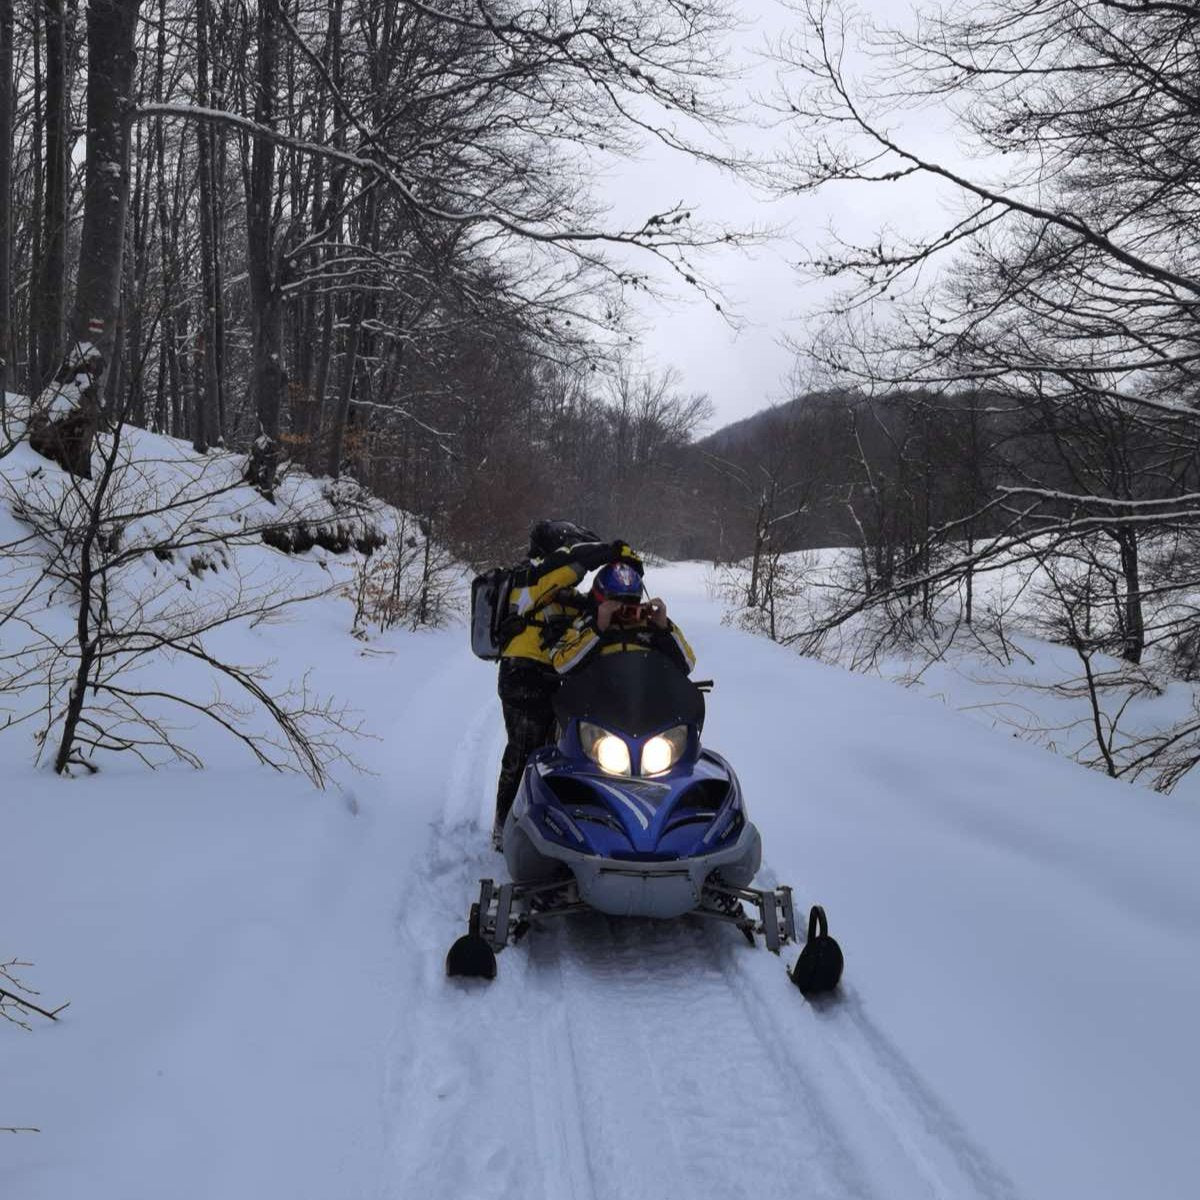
<point>542,603</point>
<point>616,619</point>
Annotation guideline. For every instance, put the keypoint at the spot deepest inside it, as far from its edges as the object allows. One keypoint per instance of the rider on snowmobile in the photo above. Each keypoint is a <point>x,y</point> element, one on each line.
<point>542,603</point>
<point>617,620</point>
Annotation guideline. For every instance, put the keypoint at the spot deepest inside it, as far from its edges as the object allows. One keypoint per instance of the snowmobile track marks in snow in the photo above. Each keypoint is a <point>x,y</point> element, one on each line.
<point>915,1147</point>
<point>618,1059</point>
<point>556,1095</point>
<point>681,1096</point>
<point>931,1135</point>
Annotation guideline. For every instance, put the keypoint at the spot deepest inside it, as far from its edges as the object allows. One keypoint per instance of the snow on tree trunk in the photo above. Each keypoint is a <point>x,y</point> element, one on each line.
<point>64,422</point>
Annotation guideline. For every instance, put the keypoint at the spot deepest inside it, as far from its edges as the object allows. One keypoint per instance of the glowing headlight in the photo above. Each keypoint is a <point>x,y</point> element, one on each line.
<point>606,750</point>
<point>662,751</point>
<point>613,755</point>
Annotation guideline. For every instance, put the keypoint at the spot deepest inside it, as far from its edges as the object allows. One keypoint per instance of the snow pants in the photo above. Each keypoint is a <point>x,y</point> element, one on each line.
<point>526,692</point>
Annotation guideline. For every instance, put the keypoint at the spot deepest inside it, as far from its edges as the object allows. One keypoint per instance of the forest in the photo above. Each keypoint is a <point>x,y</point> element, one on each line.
<point>311,311</point>
<point>366,239</point>
<point>360,238</point>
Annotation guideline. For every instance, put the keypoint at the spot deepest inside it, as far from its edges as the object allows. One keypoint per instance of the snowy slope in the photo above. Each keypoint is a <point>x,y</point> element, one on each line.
<point>1013,669</point>
<point>259,1010</point>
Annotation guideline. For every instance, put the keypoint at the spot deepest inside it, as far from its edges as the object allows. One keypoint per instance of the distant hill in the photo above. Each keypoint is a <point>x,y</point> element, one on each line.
<point>831,468</point>
<point>740,434</point>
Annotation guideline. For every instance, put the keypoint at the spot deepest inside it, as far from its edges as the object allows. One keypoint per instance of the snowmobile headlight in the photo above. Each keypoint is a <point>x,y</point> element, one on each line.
<point>613,755</point>
<point>662,751</point>
<point>609,752</point>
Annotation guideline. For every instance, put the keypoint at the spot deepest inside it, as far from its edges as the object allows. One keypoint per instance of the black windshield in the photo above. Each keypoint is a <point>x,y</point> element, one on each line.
<point>637,693</point>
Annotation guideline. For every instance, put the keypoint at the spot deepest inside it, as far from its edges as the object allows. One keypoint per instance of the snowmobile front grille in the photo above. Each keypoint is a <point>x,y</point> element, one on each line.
<point>697,816</point>
<point>569,791</point>
<point>706,793</point>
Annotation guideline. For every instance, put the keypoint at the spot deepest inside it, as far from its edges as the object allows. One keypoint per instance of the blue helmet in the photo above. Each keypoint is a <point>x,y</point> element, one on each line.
<point>618,581</point>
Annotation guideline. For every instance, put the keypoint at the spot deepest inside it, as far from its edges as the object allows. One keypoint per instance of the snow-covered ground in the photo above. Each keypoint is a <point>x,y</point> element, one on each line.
<point>1013,669</point>
<point>258,1005</point>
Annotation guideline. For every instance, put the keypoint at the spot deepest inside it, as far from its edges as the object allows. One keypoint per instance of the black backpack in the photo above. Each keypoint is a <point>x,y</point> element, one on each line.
<point>491,623</point>
<point>494,625</point>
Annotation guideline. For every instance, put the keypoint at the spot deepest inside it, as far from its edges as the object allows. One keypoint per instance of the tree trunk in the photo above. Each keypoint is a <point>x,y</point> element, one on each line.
<point>90,613</point>
<point>760,537</point>
<point>111,61</point>
<point>219,147</point>
<point>1134,639</point>
<point>321,383</point>
<point>160,386</point>
<point>110,30</point>
<point>207,430</point>
<point>268,378</point>
<point>332,219</point>
<point>170,405</point>
<point>341,416</point>
<point>137,301</point>
<point>33,368</point>
<point>50,278</point>
<point>7,341</point>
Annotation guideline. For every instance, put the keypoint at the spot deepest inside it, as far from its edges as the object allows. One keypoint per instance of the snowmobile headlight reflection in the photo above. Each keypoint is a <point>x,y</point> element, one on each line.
<point>662,751</point>
<point>609,752</point>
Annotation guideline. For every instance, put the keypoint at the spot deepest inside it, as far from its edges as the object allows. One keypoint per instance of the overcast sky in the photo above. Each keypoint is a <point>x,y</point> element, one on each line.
<point>745,369</point>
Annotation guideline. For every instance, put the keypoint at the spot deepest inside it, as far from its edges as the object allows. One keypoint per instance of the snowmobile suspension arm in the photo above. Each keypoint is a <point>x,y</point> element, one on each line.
<point>499,918</point>
<point>501,915</point>
<point>776,912</point>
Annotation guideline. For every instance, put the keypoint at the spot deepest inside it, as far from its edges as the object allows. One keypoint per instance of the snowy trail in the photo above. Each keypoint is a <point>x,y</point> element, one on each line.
<point>630,1058</point>
<point>1016,1021</point>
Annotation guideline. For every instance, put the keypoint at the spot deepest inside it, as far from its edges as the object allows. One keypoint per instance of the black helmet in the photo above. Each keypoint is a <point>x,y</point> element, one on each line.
<point>547,536</point>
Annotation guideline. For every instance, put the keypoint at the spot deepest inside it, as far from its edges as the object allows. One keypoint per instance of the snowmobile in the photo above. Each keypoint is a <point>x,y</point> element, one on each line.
<point>629,815</point>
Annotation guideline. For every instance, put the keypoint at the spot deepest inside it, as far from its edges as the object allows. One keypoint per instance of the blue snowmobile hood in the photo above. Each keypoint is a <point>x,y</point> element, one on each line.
<point>692,809</point>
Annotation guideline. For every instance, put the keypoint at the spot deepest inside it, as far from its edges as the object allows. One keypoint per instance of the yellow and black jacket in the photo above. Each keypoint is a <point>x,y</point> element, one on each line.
<point>582,639</point>
<point>542,601</point>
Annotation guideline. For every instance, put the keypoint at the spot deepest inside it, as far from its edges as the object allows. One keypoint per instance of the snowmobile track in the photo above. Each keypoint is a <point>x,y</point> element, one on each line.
<point>615,1059</point>
<point>700,1106</point>
<point>931,1135</point>
<point>837,1054</point>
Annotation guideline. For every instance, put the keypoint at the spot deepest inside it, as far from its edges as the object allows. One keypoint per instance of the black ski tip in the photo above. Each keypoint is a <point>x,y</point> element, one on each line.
<point>471,958</point>
<point>819,968</point>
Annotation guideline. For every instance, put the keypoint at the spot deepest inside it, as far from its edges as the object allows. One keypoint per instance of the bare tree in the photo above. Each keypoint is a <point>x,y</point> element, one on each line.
<point>55,22</point>
<point>449,139</point>
<point>18,1006</point>
<point>16,996</point>
<point>7,100</point>
<point>269,378</point>
<point>64,426</point>
<point>1063,292</point>
<point>774,490</point>
<point>121,549</point>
